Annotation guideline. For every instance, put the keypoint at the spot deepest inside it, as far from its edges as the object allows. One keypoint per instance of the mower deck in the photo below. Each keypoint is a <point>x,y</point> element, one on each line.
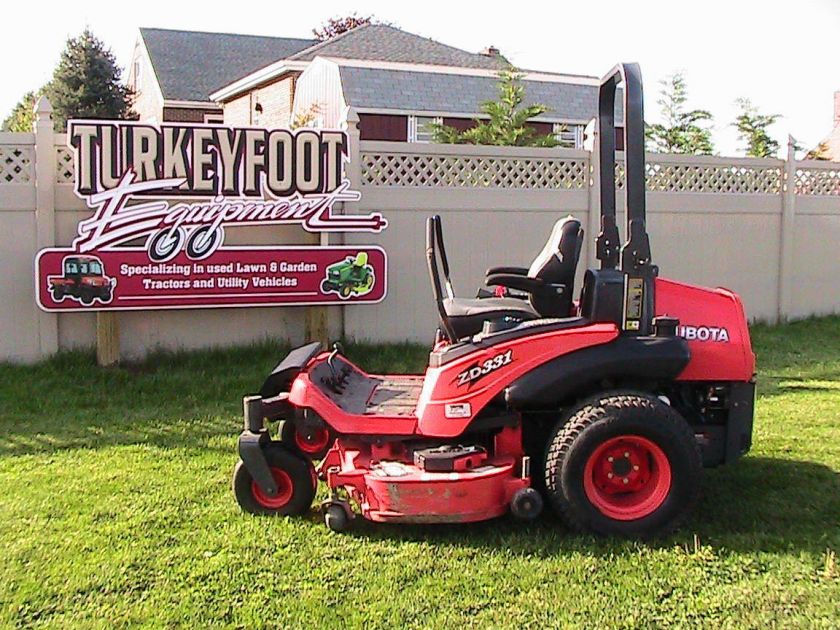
<point>391,483</point>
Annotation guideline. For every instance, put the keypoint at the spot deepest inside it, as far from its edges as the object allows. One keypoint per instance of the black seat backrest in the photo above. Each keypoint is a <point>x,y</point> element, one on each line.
<point>556,264</point>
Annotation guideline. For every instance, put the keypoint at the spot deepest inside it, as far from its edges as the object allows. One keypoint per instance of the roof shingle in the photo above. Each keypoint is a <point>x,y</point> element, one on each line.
<point>380,42</point>
<point>191,65</point>
<point>376,88</point>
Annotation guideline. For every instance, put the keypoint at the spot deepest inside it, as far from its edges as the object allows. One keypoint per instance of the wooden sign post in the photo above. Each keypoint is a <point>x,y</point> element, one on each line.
<point>107,339</point>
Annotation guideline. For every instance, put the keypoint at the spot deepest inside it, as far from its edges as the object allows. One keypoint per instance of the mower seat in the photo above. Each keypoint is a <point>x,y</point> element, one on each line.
<point>549,282</point>
<point>468,315</point>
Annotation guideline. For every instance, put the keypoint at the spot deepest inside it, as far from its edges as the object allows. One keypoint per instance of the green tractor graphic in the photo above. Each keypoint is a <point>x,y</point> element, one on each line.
<point>351,276</point>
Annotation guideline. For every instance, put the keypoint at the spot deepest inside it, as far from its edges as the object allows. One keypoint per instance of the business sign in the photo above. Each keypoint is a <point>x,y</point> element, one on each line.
<point>163,197</point>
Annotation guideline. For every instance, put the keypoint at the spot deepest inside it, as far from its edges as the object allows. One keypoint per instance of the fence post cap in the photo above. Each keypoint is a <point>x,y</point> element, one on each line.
<point>43,107</point>
<point>352,116</point>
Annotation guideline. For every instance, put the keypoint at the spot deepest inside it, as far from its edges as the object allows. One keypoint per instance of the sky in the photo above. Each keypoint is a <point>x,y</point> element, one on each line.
<point>783,56</point>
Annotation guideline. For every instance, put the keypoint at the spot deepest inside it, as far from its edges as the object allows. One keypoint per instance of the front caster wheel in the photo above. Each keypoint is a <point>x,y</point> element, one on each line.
<point>623,464</point>
<point>293,476</point>
<point>336,517</point>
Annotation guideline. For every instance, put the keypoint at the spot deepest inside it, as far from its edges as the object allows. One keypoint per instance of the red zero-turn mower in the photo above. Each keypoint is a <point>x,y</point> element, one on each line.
<point>608,407</point>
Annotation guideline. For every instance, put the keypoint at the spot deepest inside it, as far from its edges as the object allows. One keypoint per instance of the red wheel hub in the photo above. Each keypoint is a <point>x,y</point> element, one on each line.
<point>313,443</point>
<point>285,489</point>
<point>627,477</point>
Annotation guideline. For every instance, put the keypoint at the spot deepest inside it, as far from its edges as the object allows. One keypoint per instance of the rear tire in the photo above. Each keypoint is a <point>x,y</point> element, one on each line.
<point>295,486</point>
<point>623,464</point>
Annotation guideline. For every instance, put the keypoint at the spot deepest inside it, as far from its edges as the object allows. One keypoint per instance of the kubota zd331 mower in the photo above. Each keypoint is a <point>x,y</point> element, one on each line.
<point>607,407</point>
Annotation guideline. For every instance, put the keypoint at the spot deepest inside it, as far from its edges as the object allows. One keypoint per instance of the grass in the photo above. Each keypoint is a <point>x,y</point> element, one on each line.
<point>116,510</point>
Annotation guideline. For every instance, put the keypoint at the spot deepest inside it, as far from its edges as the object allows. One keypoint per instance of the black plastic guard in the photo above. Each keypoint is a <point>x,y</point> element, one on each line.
<point>281,377</point>
<point>638,358</point>
<point>740,423</point>
<point>251,453</point>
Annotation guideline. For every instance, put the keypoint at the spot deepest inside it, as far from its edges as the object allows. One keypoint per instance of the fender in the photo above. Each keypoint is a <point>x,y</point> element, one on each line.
<point>282,376</point>
<point>653,358</point>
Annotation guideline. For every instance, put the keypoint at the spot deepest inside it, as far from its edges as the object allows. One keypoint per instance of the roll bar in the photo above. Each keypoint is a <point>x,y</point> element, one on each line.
<point>635,254</point>
<point>435,250</point>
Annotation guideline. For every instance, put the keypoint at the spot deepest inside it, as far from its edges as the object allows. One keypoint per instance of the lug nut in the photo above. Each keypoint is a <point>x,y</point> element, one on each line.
<point>627,454</point>
<point>626,480</point>
<point>635,467</point>
<point>610,459</point>
<point>609,475</point>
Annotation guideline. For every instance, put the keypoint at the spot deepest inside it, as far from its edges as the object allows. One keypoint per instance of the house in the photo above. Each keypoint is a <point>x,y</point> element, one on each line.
<point>396,81</point>
<point>174,72</point>
<point>829,148</point>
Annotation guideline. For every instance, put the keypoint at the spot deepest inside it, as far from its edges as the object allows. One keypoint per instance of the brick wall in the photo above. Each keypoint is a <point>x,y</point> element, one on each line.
<point>275,100</point>
<point>187,114</point>
<point>238,111</point>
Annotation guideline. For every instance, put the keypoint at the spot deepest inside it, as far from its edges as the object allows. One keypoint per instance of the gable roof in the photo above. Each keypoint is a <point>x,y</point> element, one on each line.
<point>436,92</point>
<point>190,65</point>
<point>380,42</point>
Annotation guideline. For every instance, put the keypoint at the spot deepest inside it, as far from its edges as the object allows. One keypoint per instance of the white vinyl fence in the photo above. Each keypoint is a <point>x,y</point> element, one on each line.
<point>768,229</point>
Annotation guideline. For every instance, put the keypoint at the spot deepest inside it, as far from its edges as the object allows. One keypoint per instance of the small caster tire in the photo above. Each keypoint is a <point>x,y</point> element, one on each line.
<point>527,504</point>
<point>295,484</point>
<point>336,518</point>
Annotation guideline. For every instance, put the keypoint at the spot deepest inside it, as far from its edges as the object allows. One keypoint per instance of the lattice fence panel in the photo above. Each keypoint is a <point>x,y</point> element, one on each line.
<point>473,172</point>
<point>620,176</point>
<point>16,164</point>
<point>64,167</point>
<point>708,178</point>
<point>817,181</point>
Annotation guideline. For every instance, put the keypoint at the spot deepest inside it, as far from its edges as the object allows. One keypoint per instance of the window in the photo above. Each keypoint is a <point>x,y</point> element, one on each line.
<point>213,118</point>
<point>420,128</point>
<point>568,135</point>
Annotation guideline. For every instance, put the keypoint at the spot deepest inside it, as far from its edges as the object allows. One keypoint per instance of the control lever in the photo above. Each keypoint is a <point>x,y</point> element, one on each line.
<point>337,380</point>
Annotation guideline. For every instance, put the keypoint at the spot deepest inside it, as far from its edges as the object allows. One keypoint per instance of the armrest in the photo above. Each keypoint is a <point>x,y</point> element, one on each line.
<point>513,281</point>
<point>525,283</point>
<point>517,271</point>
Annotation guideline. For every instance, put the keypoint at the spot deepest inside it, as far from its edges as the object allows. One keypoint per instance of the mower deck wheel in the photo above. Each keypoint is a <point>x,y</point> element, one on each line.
<point>336,518</point>
<point>293,476</point>
<point>527,504</point>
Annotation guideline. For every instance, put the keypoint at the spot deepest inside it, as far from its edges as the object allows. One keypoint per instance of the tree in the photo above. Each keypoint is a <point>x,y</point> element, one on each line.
<point>337,26</point>
<point>23,114</point>
<point>752,129</point>
<point>86,83</point>
<point>821,152</point>
<point>682,131</point>
<point>507,124</point>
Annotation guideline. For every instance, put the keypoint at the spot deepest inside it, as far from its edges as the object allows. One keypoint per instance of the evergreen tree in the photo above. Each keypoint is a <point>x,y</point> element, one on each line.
<point>752,130</point>
<point>683,131</point>
<point>507,124</point>
<point>22,116</point>
<point>86,83</point>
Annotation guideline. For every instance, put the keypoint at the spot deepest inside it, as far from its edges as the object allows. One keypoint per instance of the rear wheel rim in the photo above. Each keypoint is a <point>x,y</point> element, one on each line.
<point>285,489</point>
<point>316,442</point>
<point>627,477</point>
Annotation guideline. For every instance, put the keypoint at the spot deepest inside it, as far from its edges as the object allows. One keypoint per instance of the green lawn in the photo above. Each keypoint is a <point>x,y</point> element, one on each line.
<point>116,509</point>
